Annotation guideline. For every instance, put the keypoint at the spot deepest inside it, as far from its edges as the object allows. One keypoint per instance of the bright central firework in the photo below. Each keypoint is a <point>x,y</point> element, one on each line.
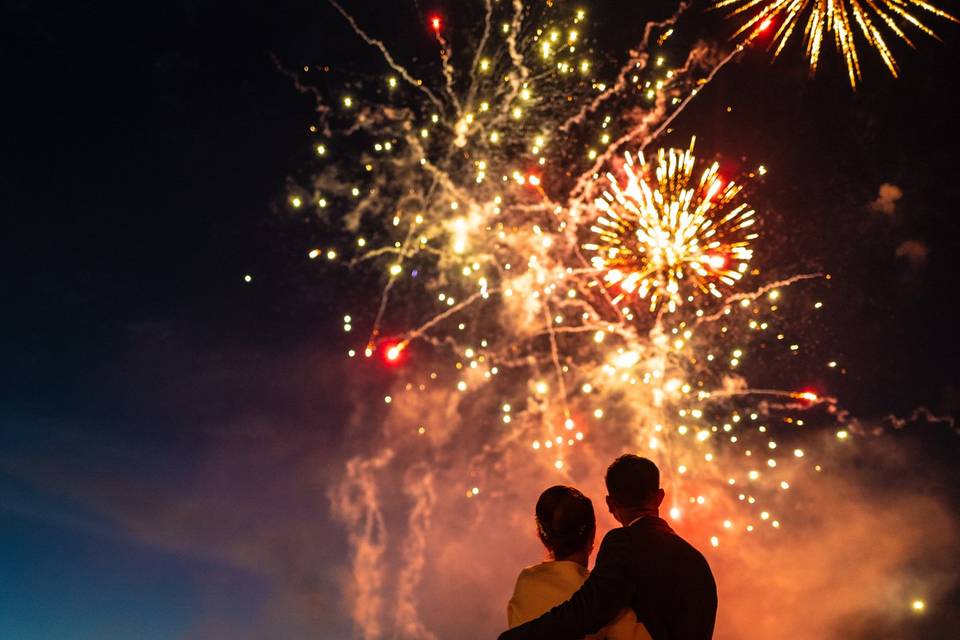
<point>663,230</point>
<point>820,18</point>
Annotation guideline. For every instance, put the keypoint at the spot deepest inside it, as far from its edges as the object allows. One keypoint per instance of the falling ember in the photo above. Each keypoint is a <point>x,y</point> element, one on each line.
<point>665,235</point>
<point>818,18</point>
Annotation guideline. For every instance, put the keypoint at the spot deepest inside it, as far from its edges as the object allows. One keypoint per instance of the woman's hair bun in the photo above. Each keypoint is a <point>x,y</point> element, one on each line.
<point>565,520</point>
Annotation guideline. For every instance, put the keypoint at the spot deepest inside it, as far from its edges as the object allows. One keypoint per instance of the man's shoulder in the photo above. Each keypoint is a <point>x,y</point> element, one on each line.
<point>655,535</point>
<point>617,536</point>
<point>686,558</point>
<point>617,543</point>
<point>657,529</point>
<point>640,532</point>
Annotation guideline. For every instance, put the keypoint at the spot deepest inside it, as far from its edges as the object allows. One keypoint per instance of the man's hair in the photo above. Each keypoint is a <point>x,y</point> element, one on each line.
<point>632,481</point>
<point>565,521</point>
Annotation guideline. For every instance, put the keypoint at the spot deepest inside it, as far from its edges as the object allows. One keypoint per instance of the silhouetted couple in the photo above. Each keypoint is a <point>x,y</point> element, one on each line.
<point>647,582</point>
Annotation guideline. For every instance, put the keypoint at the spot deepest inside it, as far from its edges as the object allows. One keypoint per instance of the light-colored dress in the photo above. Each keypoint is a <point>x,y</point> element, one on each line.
<point>543,586</point>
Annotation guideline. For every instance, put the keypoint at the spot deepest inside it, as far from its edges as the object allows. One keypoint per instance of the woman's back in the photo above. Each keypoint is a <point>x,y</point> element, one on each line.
<point>543,586</point>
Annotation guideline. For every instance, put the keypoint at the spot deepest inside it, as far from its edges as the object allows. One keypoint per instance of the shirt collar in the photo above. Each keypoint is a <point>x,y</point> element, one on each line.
<point>637,519</point>
<point>653,513</point>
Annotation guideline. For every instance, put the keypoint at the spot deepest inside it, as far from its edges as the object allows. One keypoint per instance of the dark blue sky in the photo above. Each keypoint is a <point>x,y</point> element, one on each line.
<point>146,147</point>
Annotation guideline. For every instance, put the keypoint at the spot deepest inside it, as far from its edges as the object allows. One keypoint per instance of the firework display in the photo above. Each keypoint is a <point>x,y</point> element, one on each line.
<point>821,19</point>
<point>539,267</point>
<point>575,295</point>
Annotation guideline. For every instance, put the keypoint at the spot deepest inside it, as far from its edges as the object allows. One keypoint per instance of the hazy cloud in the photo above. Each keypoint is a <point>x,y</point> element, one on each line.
<point>914,252</point>
<point>886,201</point>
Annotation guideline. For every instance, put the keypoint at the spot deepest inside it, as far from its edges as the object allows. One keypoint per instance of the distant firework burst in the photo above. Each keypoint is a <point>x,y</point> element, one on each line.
<point>839,20</point>
<point>669,236</point>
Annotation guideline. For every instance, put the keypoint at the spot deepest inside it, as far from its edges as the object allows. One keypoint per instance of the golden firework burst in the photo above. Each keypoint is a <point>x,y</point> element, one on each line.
<point>819,18</point>
<point>668,237</point>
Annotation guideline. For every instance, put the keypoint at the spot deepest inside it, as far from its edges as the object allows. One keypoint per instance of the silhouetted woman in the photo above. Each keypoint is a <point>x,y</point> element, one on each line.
<point>567,527</point>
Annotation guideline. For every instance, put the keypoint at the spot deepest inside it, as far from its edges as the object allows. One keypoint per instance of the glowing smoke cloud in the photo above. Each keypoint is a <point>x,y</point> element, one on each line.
<point>515,369</point>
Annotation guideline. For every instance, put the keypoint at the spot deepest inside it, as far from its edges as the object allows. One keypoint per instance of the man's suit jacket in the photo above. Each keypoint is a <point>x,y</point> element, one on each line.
<point>647,567</point>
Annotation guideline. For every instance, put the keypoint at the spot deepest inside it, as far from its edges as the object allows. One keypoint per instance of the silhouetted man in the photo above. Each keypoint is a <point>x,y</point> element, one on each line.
<point>643,565</point>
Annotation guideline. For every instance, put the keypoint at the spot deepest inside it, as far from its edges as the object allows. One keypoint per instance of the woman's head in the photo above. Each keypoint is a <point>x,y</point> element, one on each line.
<point>565,521</point>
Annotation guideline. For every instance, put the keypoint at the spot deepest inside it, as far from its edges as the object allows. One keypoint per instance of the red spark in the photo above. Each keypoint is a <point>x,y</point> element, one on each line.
<point>435,23</point>
<point>392,352</point>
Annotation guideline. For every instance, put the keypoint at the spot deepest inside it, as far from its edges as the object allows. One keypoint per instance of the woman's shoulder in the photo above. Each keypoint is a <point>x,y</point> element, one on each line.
<point>534,570</point>
<point>550,570</point>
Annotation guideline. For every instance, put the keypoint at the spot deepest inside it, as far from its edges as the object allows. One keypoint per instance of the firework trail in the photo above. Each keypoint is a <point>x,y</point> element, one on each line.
<point>357,504</point>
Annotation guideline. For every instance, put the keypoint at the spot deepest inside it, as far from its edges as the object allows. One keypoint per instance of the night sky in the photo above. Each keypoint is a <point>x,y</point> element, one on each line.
<point>147,149</point>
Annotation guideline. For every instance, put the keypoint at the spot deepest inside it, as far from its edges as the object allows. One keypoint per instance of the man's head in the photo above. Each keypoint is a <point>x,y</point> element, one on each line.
<point>633,487</point>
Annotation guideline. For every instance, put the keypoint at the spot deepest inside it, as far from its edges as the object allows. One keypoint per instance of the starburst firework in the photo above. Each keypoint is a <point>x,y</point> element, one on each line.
<point>819,18</point>
<point>665,236</point>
